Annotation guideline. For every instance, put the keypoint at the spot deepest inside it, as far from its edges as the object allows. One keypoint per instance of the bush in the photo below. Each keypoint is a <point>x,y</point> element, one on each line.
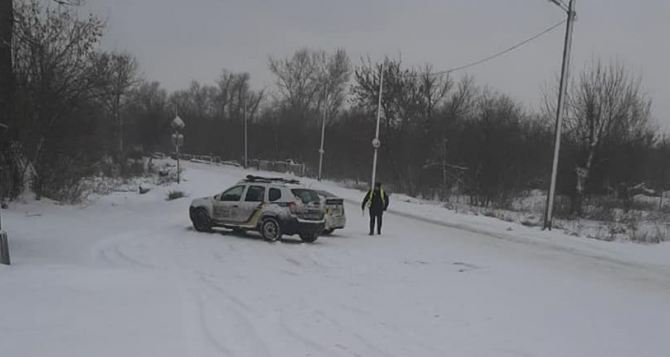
<point>175,195</point>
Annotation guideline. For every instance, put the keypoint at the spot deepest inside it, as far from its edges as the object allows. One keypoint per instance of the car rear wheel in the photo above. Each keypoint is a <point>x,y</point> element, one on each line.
<point>201,221</point>
<point>308,237</point>
<point>270,229</point>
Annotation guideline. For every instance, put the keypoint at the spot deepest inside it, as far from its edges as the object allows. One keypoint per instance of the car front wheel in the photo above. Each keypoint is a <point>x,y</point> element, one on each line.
<point>270,229</point>
<point>201,221</point>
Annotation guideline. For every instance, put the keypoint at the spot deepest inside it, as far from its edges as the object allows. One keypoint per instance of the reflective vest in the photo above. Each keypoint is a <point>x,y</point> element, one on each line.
<point>371,194</point>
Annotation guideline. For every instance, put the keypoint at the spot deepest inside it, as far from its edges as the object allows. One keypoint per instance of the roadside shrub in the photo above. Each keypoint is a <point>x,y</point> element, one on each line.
<point>175,195</point>
<point>531,221</point>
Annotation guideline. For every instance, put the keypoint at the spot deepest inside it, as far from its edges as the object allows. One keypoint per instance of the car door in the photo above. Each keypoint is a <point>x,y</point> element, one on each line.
<point>228,204</point>
<point>254,197</point>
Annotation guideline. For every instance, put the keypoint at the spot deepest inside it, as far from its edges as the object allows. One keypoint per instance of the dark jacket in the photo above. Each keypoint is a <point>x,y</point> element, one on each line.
<point>378,201</point>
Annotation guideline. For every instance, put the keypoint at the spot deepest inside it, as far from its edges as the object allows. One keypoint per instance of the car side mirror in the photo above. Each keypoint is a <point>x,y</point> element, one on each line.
<point>217,197</point>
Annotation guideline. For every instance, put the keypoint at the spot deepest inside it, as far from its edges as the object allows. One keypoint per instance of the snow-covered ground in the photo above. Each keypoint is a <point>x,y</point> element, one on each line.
<point>126,275</point>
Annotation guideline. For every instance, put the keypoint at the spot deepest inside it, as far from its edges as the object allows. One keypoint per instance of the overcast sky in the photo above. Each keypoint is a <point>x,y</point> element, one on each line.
<point>177,41</point>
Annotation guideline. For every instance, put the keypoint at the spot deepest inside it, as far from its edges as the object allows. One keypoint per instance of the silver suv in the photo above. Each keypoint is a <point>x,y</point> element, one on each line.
<point>271,206</point>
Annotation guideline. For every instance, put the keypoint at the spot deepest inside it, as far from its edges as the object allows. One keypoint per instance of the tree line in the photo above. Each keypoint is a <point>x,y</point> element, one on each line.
<point>77,110</point>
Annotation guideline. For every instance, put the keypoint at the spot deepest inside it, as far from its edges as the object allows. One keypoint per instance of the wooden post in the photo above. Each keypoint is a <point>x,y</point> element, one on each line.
<point>4,249</point>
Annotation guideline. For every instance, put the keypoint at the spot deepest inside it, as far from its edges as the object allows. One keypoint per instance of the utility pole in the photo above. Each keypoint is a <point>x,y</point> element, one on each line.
<point>375,142</point>
<point>562,92</point>
<point>444,165</point>
<point>323,135</point>
<point>119,120</point>
<point>246,152</point>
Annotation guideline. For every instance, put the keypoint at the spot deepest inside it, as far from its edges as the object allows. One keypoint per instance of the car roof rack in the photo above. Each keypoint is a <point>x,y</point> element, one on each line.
<point>252,178</point>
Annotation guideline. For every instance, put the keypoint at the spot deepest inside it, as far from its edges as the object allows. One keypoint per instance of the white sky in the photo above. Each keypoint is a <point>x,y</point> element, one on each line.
<point>179,41</point>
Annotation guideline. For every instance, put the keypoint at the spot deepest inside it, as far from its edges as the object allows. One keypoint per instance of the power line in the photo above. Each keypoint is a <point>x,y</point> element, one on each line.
<point>493,56</point>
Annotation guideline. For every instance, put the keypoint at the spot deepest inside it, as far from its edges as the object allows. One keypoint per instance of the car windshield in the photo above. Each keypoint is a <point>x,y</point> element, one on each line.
<point>306,196</point>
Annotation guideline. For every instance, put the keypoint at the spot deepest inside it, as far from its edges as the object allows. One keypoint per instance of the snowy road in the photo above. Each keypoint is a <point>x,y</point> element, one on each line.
<point>128,276</point>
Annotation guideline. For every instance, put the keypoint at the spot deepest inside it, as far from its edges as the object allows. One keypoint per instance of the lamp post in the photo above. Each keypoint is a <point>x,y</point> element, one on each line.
<point>323,135</point>
<point>562,92</point>
<point>375,142</point>
<point>177,138</point>
<point>246,137</point>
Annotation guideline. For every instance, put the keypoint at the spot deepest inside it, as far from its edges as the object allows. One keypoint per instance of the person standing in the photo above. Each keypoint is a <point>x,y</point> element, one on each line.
<point>377,201</point>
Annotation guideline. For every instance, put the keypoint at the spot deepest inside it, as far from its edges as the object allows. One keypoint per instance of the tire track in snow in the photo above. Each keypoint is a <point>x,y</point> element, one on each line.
<point>110,251</point>
<point>306,260</point>
<point>242,331</point>
<point>292,333</point>
<point>217,323</point>
<point>408,335</point>
<point>245,312</point>
<point>198,329</point>
<point>355,332</point>
<point>126,257</point>
<point>209,282</point>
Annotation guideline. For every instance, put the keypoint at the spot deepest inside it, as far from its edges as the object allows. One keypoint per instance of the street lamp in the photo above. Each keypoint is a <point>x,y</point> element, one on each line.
<point>323,135</point>
<point>375,142</point>
<point>246,137</point>
<point>562,92</point>
<point>177,137</point>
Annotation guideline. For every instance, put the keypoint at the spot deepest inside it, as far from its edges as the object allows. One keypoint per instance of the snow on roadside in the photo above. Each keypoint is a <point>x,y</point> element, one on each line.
<point>628,252</point>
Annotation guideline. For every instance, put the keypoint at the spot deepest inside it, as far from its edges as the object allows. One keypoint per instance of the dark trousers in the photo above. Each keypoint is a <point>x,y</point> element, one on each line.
<point>378,217</point>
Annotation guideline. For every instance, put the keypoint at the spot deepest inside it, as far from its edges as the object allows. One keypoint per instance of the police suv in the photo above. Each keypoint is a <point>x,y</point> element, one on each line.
<point>271,206</point>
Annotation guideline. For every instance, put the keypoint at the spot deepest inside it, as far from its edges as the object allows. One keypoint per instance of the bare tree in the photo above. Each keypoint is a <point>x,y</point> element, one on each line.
<point>235,97</point>
<point>6,74</point>
<point>312,79</point>
<point>334,74</point>
<point>433,88</point>
<point>410,101</point>
<point>148,113</point>
<point>298,80</point>
<point>408,93</point>
<point>120,71</point>
<point>7,184</point>
<point>606,104</point>
<point>462,101</point>
<point>459,105</point>
<point>54,65</point>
